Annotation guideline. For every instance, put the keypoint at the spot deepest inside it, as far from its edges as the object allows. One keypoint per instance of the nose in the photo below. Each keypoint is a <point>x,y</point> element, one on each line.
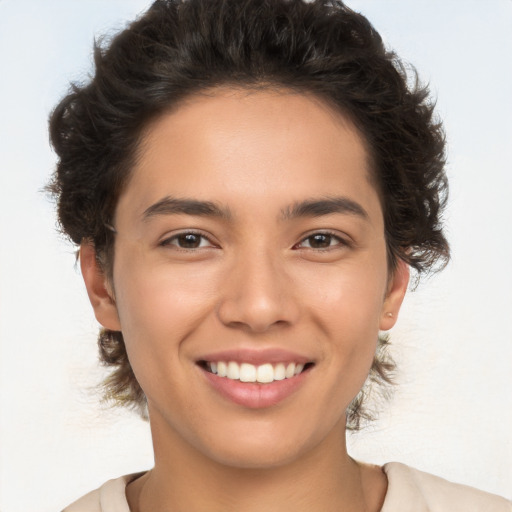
<point>258,295</point>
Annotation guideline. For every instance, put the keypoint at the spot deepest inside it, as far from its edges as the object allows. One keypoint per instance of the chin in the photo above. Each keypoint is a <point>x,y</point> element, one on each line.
<point>254,457</point>
<point>265,447</point>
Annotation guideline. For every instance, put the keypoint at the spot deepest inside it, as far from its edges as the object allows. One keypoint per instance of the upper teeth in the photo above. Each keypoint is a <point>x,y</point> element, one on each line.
<point>246,372</point>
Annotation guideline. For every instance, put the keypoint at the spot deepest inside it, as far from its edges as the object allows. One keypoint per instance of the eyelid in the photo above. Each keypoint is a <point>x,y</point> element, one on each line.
<point>344,241</point>
<point>167,239</point>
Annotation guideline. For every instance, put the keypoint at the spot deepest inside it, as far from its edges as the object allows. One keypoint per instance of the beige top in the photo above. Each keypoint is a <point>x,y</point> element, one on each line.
<point>409,490</point>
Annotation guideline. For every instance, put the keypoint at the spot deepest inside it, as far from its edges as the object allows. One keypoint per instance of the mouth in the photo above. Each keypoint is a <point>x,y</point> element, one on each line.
<point>256,379</point>
<point>265,373</point>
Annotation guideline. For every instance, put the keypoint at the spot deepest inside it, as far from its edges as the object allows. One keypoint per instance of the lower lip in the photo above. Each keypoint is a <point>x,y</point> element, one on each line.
<point>254,395</point>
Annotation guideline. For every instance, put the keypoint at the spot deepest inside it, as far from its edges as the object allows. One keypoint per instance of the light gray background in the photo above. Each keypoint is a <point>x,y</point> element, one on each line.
<point>452,413</point>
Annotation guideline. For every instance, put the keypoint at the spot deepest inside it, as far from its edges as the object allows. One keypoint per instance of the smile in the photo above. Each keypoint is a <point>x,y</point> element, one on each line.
<point>264,373</point>
<point>256,379</point>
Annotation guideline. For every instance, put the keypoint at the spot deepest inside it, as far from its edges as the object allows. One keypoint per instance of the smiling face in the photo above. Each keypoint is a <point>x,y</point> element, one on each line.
<point>250,275</point>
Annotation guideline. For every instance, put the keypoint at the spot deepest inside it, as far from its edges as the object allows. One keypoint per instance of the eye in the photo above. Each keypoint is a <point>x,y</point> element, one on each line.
<point>321,241</point>
<point>187,240</point>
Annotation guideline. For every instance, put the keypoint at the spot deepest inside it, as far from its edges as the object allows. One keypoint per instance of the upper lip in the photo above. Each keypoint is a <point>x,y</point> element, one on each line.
<point>256,356</point>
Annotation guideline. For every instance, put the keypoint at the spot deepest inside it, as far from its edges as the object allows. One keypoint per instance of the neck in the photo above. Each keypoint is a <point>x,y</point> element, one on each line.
<point>325,478</point>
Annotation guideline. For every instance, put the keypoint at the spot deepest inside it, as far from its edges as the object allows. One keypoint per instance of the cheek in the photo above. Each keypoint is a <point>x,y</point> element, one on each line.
<point>158,307</point>
<point>346,298</point>
<point>345,306</point>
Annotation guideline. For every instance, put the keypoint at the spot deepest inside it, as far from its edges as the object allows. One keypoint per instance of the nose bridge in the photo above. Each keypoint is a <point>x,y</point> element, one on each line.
<point>258,292</point>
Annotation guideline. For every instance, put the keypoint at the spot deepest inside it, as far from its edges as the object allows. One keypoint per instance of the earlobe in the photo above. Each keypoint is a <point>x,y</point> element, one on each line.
<point>98,288</point>
<point>395,296</point>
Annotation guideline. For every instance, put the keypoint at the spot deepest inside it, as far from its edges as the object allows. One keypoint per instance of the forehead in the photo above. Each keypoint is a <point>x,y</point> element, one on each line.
<point>245,116</point>
<point>244,147</point>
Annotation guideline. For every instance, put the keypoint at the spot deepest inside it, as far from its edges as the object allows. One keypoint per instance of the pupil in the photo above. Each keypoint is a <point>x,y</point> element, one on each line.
<point>189,241</point>
<point>320,241</point>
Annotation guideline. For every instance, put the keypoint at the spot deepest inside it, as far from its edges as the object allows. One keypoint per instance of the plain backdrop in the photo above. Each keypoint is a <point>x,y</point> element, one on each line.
<point>452,411</point>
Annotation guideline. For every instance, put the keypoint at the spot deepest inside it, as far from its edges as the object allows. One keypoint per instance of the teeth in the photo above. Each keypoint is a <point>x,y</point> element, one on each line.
<point>247,372</point>
<point>290,371</point>
<point>222,369</point>
<point>233,371</point>
<point>279,372</point>
<point>263,374</point>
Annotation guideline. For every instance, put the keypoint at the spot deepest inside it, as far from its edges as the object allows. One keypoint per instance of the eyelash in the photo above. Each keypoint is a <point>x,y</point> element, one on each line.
<point>169,241</point>
<point>339,241</point>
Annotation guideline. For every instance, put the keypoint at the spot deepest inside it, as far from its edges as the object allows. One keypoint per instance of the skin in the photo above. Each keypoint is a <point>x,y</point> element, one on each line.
<point>257,280</point>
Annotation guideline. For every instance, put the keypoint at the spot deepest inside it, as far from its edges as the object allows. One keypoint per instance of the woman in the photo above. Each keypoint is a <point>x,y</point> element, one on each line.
<point>249,184</point>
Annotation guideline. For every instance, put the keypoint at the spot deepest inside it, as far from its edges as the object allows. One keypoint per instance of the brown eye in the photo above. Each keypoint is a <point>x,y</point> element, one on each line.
<point>187,241</point>
<point>320,241</point>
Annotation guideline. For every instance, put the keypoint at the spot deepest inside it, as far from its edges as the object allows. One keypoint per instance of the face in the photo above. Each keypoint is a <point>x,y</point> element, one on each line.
<point>250,243</point>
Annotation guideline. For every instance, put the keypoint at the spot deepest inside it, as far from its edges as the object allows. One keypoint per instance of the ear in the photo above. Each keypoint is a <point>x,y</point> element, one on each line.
<point>98,288</point>
<point>395,295</point>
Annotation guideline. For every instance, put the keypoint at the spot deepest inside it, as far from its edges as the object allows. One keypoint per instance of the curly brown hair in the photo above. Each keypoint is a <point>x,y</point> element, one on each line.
<point>178,48</point>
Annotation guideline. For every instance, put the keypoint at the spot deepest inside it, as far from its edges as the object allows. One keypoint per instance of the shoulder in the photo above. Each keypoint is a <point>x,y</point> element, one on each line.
<point>110,497</point>
<point>411,490</point>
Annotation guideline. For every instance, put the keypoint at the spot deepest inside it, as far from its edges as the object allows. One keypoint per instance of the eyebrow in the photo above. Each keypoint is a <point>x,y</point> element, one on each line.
<point>325,206</point>
<point>307,208</point>
<point>171,205</point>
